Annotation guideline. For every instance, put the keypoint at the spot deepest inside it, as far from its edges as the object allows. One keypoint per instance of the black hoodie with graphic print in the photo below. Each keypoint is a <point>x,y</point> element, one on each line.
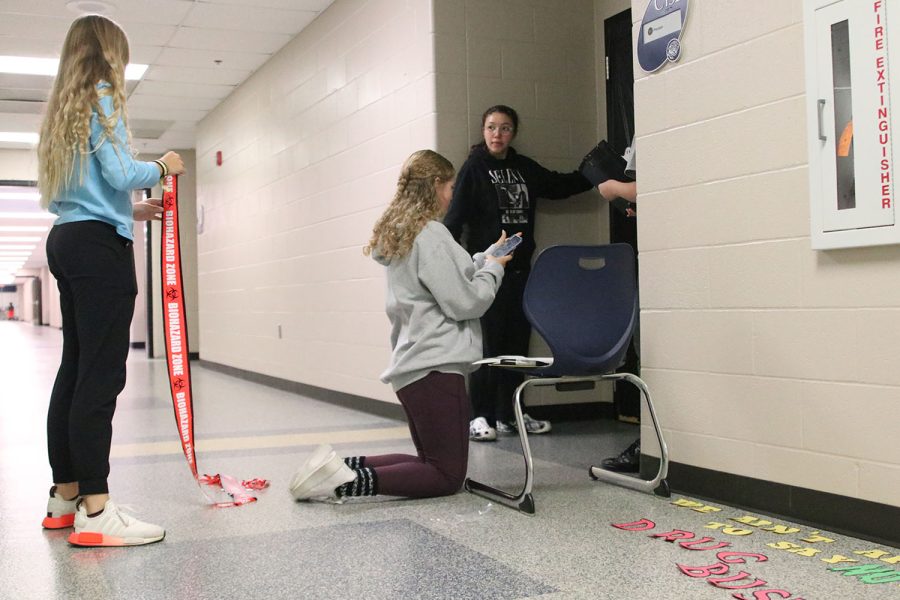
<point>493,194</point>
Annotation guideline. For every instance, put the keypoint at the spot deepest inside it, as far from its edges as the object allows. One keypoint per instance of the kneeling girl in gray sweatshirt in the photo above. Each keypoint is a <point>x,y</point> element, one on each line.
<point>436,294</point>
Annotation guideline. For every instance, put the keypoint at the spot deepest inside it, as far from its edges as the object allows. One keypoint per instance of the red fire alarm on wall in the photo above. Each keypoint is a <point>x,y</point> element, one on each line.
<point>218,158</point>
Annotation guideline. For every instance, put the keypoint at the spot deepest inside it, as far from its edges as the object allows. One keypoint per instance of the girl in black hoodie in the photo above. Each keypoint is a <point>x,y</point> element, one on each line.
<point>497,189</point>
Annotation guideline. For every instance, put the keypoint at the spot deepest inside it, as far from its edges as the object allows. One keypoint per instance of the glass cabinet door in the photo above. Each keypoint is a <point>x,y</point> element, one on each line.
<point>851,169</point>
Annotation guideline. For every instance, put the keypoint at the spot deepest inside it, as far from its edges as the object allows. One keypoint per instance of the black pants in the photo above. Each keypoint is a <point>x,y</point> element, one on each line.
<point>94,269</point>
<point>505,330</point>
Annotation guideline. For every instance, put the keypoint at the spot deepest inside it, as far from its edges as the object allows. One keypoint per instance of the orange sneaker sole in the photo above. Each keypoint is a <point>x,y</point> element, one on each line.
<point>93,539</point>
<point>59,522</point>
<point>87,538</point>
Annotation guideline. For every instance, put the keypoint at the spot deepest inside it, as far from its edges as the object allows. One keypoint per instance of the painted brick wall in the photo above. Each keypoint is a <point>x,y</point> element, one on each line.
<point>767,359</point>
<point>312,146</point>
<point>540,58</point>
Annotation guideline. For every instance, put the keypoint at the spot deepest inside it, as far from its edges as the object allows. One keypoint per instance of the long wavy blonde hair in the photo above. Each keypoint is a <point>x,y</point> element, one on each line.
<point>415,203</point>
<point>96,49</point>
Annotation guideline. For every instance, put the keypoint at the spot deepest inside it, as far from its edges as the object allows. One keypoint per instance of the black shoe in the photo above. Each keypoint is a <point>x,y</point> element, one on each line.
<point>627,462</point>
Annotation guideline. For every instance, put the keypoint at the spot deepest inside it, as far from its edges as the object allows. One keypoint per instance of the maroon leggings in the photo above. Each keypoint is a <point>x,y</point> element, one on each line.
<point>438,410</point>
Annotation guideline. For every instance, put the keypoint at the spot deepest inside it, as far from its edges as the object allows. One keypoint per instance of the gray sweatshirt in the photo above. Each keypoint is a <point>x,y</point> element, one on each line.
<point>435,297</point>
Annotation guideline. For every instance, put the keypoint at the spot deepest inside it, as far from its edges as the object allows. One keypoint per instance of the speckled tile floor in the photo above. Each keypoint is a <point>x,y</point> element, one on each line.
<point>457,547</point>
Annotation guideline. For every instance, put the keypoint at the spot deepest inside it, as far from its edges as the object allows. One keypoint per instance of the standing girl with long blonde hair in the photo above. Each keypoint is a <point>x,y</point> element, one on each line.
<point>86,174</point>
<point>435,295</point>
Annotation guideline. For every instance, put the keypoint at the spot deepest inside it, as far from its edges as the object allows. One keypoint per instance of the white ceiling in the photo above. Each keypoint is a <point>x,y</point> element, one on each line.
<point>199,51</point>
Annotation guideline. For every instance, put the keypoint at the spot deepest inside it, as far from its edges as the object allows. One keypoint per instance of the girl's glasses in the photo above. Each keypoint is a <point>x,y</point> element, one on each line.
<point>504,129</point>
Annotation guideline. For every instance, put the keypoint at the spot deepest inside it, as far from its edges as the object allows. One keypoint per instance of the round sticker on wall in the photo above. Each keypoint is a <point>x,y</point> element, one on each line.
<point>661,29</point>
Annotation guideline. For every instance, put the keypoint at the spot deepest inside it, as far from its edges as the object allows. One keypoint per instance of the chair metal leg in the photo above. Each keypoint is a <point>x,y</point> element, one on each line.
<point>523,501</point>
<point>658,484</point>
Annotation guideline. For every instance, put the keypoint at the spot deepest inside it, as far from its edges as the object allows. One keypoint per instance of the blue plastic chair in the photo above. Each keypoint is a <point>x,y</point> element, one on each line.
<point>583,301</point>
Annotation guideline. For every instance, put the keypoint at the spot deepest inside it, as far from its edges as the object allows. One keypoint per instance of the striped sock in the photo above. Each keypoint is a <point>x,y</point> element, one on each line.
<point>365,484</point>
<point>355,462</point>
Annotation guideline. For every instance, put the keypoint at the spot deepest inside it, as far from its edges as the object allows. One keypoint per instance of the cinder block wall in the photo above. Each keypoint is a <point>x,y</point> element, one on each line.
<point>312,144</point>
<point>540,58</point>
<point>768,359</point>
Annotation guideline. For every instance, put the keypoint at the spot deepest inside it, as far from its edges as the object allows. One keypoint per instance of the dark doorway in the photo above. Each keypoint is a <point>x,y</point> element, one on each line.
<point>148,275</point>
<point>620,108</point>
<point>37,305</point>
<point>619,133</point>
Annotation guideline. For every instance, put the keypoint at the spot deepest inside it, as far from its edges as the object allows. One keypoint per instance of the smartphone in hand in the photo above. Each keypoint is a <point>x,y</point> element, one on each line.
<point>508,246</point>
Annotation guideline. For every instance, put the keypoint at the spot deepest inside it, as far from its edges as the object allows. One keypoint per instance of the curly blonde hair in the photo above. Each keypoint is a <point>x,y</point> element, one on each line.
<point>95,49</point>
<point>415,203</point>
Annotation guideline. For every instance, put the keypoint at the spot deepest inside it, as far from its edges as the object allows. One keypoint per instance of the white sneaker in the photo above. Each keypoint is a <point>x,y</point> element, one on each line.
<point>531,426</point>
<point>480,431</point>
<point>322,473</point>
<point>60,512</point>
<point>112,527</point>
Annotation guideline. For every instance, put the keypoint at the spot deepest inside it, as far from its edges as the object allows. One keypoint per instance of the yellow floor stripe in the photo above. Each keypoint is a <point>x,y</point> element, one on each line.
<point>257,442</point>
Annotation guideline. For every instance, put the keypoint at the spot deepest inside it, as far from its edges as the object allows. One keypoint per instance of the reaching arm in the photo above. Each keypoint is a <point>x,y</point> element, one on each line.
<point>612,189</point>
<point>555,185</point>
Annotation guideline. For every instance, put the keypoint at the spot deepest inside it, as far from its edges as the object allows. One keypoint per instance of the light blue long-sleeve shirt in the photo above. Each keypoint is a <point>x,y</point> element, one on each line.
<point>110,175</point>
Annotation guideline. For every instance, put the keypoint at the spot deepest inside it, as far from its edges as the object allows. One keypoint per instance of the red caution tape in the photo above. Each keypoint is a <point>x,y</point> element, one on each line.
<point>177,360</point>
<point>234,488</point>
